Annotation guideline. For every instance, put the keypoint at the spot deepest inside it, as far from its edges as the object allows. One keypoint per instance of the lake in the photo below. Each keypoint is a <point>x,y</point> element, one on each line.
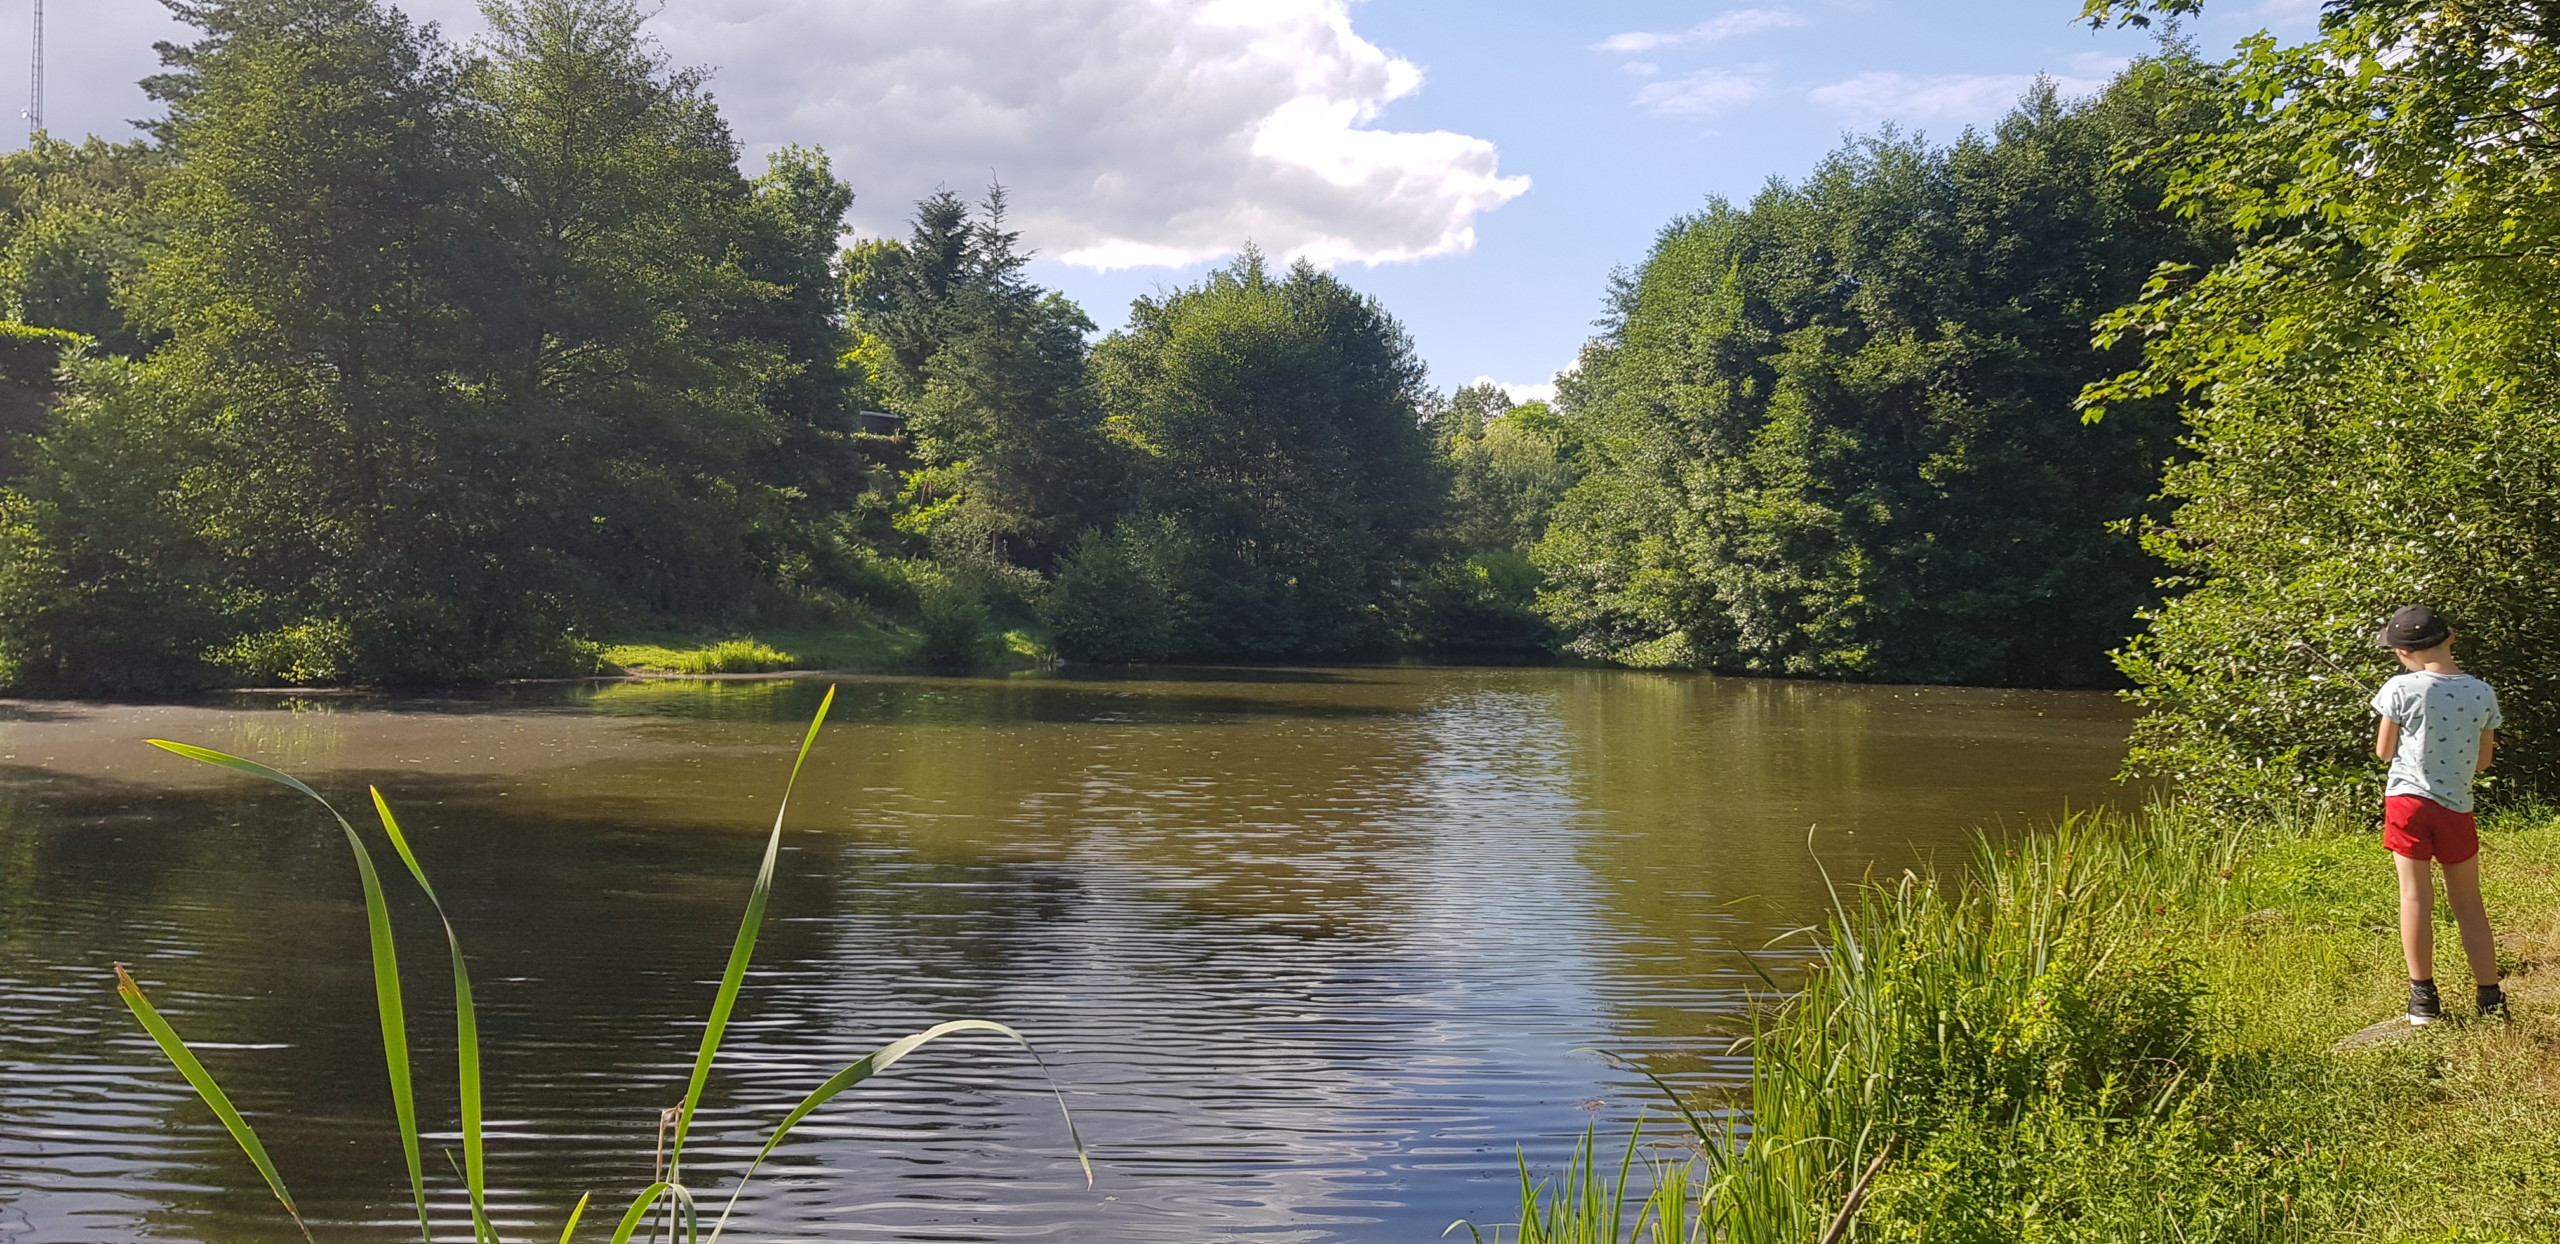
<point>1312,952</point>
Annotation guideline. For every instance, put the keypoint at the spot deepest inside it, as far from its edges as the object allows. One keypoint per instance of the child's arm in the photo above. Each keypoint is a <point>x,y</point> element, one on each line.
<point>2488,748</point>
<point>2386,741</point>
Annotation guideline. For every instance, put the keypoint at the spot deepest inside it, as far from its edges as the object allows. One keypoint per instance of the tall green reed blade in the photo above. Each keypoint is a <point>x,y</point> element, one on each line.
<point>745,948</point>
<point>639,1211</point>
<point>184,1060</point>
<point>386,963</point>
<point>466,1025</point>
<point>880,1060</point>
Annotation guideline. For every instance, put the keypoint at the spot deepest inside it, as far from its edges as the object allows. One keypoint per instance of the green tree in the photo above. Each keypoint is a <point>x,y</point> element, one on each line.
<point>1506,467</point>
<point>72,232</point>
<point>1832,433</point>
<point>632,354</point>
<point>321,243</point>
<point>464,354</point>
<point>2373,409</point>
<point>1275,421</point>
<point>989,368</point>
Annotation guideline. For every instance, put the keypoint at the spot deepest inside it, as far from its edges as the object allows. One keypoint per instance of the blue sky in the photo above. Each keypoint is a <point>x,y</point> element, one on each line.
<point>1609,168</point>
<point>1480,167</point>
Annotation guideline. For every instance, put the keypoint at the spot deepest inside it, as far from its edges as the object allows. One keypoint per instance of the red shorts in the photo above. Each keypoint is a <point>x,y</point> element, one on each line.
<point>2422,829</point>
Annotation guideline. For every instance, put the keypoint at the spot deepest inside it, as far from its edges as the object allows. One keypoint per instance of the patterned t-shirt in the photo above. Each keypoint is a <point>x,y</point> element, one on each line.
<point>2441,717</point>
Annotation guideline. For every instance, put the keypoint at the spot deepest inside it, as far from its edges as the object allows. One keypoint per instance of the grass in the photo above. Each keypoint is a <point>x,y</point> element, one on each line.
<point>2126,1030</point>
<point>667,1201</point>
<point>857,646</point>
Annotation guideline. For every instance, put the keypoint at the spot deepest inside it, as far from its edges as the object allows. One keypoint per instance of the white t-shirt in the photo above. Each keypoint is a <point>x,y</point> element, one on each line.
<point>2441,717</point>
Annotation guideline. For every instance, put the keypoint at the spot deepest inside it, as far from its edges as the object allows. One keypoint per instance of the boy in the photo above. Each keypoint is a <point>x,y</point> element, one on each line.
<point>2439,727</point>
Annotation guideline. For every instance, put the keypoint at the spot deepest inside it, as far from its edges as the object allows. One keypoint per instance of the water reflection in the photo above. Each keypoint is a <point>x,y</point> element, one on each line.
<point>1312,950</point>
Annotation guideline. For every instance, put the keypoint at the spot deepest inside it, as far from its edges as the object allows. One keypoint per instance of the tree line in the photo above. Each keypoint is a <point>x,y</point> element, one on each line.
<point>380,359</point>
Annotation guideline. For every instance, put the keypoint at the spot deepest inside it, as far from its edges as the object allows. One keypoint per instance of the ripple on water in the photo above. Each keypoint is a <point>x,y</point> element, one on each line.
<point>1310,952</point>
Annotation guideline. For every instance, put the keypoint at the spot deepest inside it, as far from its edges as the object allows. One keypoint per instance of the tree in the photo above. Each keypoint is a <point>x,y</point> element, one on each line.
<point>1506,467</point>
<point>459,355</point>
<point>632,354</point>
<point>72,232</point>
<point>1832,433</point>
<point>990,370</point>
<point>1275,421</point>
<point>321,244</point>
<point>2373,411</point>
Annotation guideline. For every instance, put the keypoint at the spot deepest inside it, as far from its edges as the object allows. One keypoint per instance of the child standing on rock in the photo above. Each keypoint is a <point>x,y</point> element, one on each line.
<point>2439,727</point>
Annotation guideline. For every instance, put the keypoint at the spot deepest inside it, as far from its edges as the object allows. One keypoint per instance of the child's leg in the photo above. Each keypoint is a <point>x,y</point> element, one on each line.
<point>2462,890</point>
<point>2418,913</point>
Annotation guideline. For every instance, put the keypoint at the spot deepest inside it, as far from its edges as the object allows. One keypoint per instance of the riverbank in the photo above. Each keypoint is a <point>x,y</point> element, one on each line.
<point>2130,1030</point>
<point>869,647</point>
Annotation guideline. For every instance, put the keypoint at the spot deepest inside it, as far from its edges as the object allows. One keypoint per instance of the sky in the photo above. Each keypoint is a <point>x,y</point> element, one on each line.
<point>1480,166</point>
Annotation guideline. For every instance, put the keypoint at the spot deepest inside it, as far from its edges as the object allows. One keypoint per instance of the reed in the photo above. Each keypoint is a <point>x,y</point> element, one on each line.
<point>1593,1201</point>
<point>2013,1037</point>
<point>668,1201</point>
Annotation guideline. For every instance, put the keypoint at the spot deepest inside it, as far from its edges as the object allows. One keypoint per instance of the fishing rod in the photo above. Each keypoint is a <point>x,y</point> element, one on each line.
<point>2315,654</point>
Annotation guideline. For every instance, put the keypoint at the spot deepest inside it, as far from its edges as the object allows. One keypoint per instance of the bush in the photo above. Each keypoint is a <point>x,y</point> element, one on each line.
<point>105,584</point>
<point>957,628</point>
<point>1486,603</point>
<point>1123,595</point>
<point>2423,465</point>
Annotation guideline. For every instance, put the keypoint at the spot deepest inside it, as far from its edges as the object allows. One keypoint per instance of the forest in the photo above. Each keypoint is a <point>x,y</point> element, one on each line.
<point>381,360</point>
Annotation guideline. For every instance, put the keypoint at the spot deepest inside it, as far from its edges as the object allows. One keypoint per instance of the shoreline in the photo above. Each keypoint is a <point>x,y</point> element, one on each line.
<point>2139,1028</point>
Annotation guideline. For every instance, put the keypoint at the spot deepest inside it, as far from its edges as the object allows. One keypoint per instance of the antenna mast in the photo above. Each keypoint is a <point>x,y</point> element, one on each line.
<point>35,80</point>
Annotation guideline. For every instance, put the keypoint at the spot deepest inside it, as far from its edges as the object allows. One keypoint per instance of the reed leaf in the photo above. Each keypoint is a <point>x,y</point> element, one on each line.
<point>185,1061</point>
<point>466,1024</point>
<point>576,1213</point>
<point>639,1211</point>
<point>744,949</point>
<point>386,964</point>
<point>880,1060</point>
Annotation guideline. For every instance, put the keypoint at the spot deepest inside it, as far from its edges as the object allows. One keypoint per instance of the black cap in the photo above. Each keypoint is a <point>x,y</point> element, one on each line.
<point>2415,628</point>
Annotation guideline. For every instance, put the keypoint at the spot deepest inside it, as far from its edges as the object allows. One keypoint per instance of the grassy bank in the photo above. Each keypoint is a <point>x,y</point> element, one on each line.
<point>859,646</point>
<point>2127,1030</point>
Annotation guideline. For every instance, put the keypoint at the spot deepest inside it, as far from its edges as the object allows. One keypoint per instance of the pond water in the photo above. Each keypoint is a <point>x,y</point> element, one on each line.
<point>1312,952</point>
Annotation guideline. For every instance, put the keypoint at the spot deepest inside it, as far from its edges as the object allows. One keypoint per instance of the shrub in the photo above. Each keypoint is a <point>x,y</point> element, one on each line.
<point>957,628</point>
<point>2418,466</point>
<point>1123,595</point>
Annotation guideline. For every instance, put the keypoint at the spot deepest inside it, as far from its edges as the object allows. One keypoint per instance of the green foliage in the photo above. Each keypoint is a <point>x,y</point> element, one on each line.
<point>2374,411</point>
<point>2128,1030</point>
<point>1483,603</point>
<point>990,370</point>
<point>957,628</point>
<point>105,584</point>
<point>728,656</point>
<point>457,356</point>
<point>1124,593</point>
<point>1505,467</point>
<point>1275,420</point>
<point>73,228</point>
<point>1831,434</point>
<point>1508,465</point>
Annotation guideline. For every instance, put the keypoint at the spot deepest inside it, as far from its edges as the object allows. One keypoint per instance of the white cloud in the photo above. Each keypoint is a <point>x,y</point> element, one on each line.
<point>1640,69</point>
<point>1717,29</point>
<point>1941,97</point>
<point>1522,392</point>
<point>1128,132</point>
<point>1704,93</point>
